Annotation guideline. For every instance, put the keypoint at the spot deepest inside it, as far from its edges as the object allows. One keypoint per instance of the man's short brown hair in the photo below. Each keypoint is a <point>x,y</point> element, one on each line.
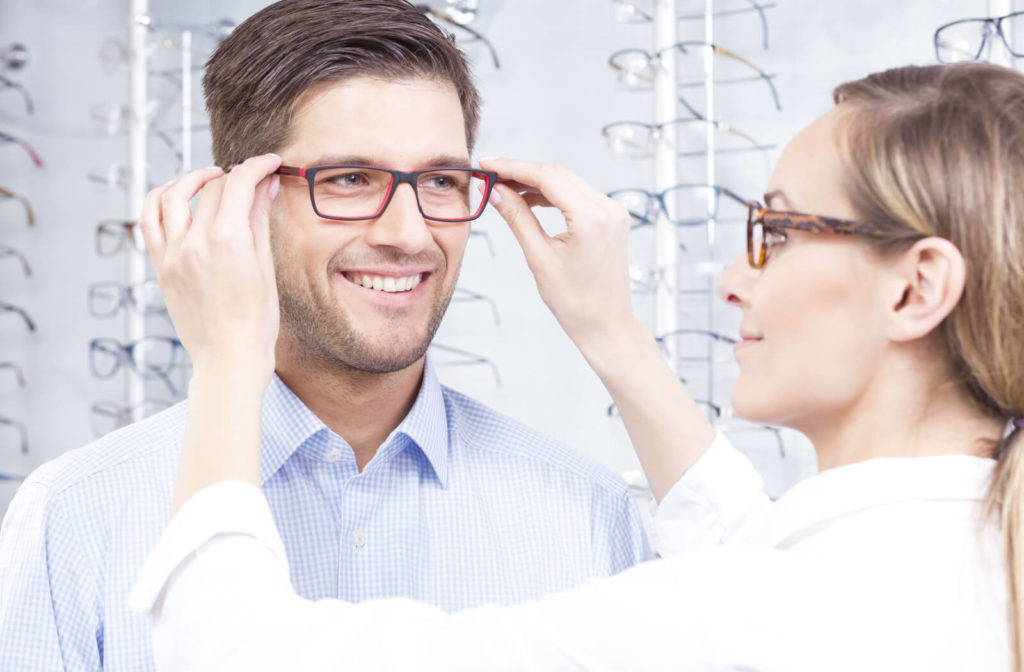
<point>257,74</point>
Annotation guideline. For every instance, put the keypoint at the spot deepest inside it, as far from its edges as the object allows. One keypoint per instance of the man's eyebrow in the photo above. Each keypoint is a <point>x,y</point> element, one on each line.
<point>777,194</point>
<point>439,161</point>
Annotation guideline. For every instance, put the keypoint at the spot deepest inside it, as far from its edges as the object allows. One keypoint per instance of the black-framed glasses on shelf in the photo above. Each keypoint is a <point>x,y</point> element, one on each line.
<point>636,11</point>
<point>115,235</point>
<point>459,357</point>
<point>474,34</point>
<point>30,214</point>
<point>107,298</point>
<point>965,40</point>
<point>110,415</point>
<point>6,83</point>
<point>445,195</point>
<point>19,377</point>
<point>683,204</point>
<point>464,295</point>
<point>20,429</point>
<point>20,312</point>
<point>638,139</point>
<point>151,357</point>
<point>8,252</point>
<point>7,138</point>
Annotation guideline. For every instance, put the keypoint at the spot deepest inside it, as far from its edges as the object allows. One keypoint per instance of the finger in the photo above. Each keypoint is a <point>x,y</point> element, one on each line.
<point>259,217</point>
<point>175,211</point>
<point>537,201</point>
<point>209,202</point>
<point>150,226</point>
<point>514,209</point>
<point>240,192</point>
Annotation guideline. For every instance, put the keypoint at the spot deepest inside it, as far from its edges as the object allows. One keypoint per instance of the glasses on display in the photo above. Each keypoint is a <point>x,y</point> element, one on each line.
<point>638,67</point>
<point>19,377</point>
<point>6,83</point>
<point>636,11</point>
<point>637,139</point>
<point>683,204</point>
<point>151,357</point>
<point>29,213</point>
<point>458,357</point>
<point>6,251</point>
<point>965,40</point>
<point>20,312</point>
<point>7,138</point>
<point>14,57</point>
<point>747,429</point>
<point>114,235</point>
<point>19,429</point>
<point>452,20</point>
<point>353,192</point>
<point>479,233</point>
<point>107,298</point>
<point>463,295</point>
<point>767,228</point>
<point>108,415</point>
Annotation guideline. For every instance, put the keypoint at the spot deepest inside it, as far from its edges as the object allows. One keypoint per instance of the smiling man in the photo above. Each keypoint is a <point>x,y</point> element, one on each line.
<point>382,481</point>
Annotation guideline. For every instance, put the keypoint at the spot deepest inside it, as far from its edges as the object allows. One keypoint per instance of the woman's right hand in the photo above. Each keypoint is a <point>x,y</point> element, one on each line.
<point>583,274</point>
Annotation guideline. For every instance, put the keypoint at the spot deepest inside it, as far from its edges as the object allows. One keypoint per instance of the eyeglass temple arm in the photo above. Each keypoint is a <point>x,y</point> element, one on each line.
<point>18,374</point>
<point>7,249</point>
<point>11,308</point>
<point>441,16</point>
<point>21,430</point>
<point>6,137</point>
<point>472,358</point>
<point>6,83</point>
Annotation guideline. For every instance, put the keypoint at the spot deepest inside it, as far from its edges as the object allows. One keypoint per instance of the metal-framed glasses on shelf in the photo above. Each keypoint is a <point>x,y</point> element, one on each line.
<point>20,312</point>
<point>109,415</point>
<point>8,83</point>
<point>637,11</point>
<point>107,298</point>
<point>683,204</point>
<point>7,138</point>
<point>151,357</point>
<point>637,139</point>
<point>114,235</point>
<point>30,214</point>
<point>451,19</point>
<point>21,431</point>
<point>354,192</point>
<point>965,40</point>
<point>464,295</point>
<point>459,357</point>
<point>8,252</point>
<point>766,228</point>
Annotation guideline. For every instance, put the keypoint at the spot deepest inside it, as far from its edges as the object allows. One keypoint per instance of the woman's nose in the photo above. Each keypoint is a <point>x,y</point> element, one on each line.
<point>734,284</point>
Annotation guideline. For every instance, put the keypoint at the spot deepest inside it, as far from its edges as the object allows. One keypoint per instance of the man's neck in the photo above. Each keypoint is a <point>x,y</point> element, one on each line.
<point>362,408</point>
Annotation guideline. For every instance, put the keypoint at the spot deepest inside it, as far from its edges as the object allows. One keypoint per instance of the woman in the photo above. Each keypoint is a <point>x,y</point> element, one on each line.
<point>881,295</point>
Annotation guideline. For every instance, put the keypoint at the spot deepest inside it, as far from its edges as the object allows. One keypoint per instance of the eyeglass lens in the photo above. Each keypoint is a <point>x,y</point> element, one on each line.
<point>755,236</point>
<point>151,357</point>
<point>362,193</point>
<point>685,204</point>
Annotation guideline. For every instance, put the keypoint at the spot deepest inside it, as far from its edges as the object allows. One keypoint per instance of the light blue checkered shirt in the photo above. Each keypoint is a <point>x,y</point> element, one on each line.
<point>460,506</point>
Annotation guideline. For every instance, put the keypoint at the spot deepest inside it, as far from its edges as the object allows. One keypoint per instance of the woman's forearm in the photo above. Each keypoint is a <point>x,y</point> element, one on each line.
<point>668,430</point>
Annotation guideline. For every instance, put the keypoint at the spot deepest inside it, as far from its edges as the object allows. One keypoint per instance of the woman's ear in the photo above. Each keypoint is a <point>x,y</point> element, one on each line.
<point>928,280</point>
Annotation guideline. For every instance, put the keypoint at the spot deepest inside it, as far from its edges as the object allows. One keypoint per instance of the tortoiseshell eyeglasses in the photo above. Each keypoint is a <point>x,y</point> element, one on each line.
<point>765,227</point>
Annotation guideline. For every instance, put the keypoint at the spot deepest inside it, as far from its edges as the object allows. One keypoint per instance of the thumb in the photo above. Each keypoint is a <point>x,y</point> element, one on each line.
<point>516,212</point>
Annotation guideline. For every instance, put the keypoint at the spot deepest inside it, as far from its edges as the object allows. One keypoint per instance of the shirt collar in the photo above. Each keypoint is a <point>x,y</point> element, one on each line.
<point>288,424</point>
<point>890,480</point>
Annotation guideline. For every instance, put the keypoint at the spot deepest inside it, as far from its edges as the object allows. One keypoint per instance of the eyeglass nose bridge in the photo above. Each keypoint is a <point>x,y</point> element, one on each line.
<point>399,178</point>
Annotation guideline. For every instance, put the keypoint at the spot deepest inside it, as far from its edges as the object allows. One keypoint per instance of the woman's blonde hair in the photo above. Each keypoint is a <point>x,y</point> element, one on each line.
<point>939,151</point>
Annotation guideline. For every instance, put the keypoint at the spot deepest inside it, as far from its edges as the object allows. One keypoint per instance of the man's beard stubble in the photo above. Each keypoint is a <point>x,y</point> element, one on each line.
<point>325,336</point>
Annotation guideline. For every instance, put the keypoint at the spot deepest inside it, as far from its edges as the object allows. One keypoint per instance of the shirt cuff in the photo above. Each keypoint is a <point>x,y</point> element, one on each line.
<point>226,507</point>
<point>719,495</point>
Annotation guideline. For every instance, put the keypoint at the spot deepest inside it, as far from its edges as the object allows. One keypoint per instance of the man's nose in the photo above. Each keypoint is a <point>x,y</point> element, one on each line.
<point>401,225</point>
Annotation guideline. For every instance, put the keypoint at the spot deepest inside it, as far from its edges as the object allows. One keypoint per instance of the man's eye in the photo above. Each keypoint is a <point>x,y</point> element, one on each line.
<point>349,179</point>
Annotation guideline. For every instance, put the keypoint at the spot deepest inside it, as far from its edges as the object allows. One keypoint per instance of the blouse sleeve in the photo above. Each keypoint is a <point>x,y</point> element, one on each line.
<point>719,500</point>
<point>217,591</point>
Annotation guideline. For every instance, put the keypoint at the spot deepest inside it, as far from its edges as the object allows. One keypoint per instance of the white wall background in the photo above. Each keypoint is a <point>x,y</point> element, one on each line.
<point>549,101</point>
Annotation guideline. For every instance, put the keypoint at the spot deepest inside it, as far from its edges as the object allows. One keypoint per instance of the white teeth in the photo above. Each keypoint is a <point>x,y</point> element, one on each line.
<point>387,283</point>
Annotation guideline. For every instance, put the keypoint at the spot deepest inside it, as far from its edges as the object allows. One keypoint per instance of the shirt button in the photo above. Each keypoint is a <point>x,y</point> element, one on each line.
<point>358,539</point>
<point>333,455</point>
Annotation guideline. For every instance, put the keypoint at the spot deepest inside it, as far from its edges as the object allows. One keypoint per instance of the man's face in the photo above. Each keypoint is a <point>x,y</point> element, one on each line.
<point>327,314</point>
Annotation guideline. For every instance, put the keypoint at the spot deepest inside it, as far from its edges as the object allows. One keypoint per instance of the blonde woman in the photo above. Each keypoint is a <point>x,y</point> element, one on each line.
<point>882,295</point>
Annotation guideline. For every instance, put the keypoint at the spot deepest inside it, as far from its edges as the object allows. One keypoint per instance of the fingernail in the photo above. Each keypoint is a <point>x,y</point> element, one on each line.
<point>495,198</point>
<point>275,184</point>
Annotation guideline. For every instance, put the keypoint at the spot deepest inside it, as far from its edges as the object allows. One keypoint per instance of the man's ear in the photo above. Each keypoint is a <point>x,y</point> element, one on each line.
<point>927,283</point>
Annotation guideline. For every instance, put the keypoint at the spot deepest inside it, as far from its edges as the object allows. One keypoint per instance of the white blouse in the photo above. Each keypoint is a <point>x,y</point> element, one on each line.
<point>880,565</point>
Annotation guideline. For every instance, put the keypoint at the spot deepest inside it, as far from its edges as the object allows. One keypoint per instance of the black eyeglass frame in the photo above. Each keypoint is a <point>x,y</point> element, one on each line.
<point>398,177</point>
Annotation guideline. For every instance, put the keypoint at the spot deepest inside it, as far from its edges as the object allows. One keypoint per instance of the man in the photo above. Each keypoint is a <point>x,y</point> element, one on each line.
<point>383,482</point>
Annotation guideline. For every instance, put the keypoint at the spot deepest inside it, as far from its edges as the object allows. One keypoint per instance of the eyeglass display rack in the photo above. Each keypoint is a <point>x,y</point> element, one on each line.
<point>669,257</point>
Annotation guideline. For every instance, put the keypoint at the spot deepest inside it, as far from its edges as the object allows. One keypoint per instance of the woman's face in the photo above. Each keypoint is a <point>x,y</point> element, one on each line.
<point>813,323</point>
